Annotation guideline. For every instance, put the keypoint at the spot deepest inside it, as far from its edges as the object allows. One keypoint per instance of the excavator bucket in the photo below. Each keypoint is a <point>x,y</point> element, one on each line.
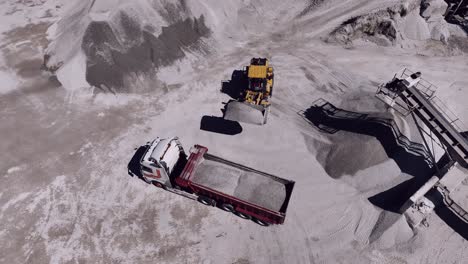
<point>246,113</point>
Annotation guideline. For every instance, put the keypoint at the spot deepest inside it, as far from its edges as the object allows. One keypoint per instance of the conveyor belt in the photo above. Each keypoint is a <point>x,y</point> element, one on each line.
<point>437,123</point>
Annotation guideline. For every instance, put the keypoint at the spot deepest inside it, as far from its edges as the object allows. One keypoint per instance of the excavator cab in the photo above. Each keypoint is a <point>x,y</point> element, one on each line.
<point>257,85</point>
<point>255,96</point>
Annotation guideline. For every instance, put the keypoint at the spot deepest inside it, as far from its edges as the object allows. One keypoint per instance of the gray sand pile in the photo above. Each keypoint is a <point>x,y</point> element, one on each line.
<point>350,153</point>
<point>261,190</point>
<point>249,186</point>
<point>119,47</point>
<point>114,59</point>
<point>217,176</point>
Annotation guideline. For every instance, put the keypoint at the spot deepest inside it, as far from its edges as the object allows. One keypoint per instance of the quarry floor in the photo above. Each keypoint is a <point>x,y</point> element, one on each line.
<point>66,195</point>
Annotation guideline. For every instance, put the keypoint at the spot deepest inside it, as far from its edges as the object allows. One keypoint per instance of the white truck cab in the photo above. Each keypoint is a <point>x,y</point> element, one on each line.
<point>160,160</point>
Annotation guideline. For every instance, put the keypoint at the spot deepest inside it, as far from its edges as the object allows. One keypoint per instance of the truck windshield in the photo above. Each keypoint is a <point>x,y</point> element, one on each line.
<point>146,169</point>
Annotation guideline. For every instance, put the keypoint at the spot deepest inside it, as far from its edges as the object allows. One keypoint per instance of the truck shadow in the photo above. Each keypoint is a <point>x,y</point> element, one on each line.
<point>134,164</point>
<point>220,125</point>
<point>411,157</point>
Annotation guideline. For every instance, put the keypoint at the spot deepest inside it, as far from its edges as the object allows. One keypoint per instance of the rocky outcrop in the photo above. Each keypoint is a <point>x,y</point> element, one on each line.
<point>433,12</point>
<point>457,13</point>
<point>405,24</point>
<point>431,8</point>
<point>379,27</point>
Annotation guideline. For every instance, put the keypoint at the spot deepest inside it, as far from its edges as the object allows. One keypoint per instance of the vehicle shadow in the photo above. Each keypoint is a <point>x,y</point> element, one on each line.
<point>411,157</point>
<point>134,164</point>
<point>220,125</point>
<point>233,87</point>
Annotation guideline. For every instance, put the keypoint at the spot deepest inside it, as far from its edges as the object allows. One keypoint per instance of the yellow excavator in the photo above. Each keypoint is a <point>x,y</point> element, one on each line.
<point>256,92</point>
<point>260,87</point>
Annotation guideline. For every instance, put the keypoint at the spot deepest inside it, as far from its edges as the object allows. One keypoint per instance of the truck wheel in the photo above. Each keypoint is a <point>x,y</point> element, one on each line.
<point>260,222</point>
<point>227,208</point>
<point>243,216</point>
<point>206,201</point>
<point>145,180</point>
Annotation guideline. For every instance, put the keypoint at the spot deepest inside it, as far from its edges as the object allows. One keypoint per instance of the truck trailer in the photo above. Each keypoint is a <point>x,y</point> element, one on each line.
<point>213,181</point>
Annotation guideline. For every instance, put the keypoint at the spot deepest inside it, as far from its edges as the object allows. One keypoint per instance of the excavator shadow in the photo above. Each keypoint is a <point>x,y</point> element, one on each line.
<point>220,125</point>
<point>233,87</point>
<point>411,157</point>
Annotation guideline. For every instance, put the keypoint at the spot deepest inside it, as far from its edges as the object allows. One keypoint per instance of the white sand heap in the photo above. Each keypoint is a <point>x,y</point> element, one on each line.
<point>415,27</point>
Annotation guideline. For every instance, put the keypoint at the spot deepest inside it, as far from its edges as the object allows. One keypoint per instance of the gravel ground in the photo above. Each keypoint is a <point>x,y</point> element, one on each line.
<point>67,197</point>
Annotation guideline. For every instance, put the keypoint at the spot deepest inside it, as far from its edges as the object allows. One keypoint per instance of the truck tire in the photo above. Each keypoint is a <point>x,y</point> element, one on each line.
<point>227,207</point>
<point>260,222</point>
<point>206,201</point>
<point>145,180</point>
<point>243,216</point>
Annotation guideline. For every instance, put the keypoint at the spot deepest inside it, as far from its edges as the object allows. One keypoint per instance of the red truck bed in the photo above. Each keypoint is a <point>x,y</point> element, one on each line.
<point>250,191</point>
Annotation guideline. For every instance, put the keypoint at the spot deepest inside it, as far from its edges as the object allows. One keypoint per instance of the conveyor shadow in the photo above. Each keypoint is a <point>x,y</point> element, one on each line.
<point>394,198</point>
<point>233,87</point>
<point>411,157</point>
<point>447,215</point>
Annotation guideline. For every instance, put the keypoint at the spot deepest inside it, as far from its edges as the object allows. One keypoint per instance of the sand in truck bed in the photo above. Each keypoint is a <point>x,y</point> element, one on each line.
<point>245,185</point>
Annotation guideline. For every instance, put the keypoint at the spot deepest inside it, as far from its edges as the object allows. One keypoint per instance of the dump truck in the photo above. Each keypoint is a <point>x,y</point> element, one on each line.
<point>255,95</point>
<point>213,181</point>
